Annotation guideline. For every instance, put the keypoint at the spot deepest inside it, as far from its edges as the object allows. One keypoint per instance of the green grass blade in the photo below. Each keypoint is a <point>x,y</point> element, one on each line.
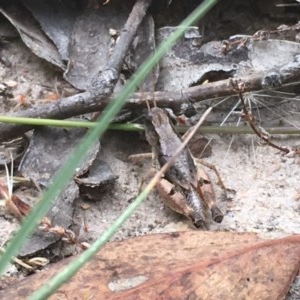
<point>137,127</point>
<point>68,123</point>
<point>66,273</point>
<point>66,172</point>
<point>69,271</point>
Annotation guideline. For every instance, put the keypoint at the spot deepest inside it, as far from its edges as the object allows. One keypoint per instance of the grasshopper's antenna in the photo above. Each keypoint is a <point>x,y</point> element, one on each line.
<point>10,190</point>
<point>142,90</point>
<point>153,87</point>
<point>148,105</point>
<point>9,179</point>
<point>7,192</point>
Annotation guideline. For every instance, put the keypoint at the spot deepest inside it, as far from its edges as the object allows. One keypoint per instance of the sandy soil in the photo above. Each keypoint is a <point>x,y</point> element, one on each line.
<point>265,183</point>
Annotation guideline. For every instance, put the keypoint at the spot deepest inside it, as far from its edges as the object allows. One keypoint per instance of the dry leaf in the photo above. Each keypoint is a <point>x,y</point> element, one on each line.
<point>184,265</point>
<point>13,203</point>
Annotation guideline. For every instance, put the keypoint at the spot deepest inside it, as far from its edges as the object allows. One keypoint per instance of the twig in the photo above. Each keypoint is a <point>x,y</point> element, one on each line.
<point>104,85</point>
<point>210,129</point>
<point>250,119</point>
<point>229,45</point>
<point>86,102</point>
<point>100,89</point>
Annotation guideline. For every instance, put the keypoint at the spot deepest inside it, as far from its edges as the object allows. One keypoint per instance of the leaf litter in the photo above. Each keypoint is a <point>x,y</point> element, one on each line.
<point>265,184</point>
<point>194,265</point>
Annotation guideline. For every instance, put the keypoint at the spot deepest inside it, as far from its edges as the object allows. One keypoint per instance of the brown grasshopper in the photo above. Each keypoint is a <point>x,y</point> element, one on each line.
<point>185,189</point>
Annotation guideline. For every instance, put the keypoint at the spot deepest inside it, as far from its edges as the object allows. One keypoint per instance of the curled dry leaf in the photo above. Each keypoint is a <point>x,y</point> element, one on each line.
<point>38,261</point>
<point>13,203</point>
<point>184,265</point>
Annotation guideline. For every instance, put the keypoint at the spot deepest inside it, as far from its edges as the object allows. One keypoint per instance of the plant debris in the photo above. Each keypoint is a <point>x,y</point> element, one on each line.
<point>240,264</point>
<point>95,49</point>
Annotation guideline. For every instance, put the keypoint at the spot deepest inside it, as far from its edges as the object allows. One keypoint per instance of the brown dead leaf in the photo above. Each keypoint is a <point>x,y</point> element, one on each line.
<point>183,265</point>
<point>13,203</point>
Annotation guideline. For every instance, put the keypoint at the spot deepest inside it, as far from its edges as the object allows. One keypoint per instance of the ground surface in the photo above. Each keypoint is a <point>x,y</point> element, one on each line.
<point>266,197</point>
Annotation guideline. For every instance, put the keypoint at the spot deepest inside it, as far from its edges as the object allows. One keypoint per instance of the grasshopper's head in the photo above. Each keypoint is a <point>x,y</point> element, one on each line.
<point>160,121</point>
<point>158,116</point>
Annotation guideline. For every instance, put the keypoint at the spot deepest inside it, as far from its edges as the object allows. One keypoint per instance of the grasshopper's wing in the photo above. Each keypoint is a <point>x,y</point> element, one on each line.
<point>183,172</point>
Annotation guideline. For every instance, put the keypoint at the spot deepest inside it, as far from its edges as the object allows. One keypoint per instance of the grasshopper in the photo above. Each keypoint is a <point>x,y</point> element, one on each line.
<point>185,189</point>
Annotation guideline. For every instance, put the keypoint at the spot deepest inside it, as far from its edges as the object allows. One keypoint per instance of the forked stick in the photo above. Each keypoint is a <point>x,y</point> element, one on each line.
<point>251,121</point>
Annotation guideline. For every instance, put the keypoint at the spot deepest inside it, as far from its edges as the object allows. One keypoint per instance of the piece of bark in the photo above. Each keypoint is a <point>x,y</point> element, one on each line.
<point>188,63</point>
<point>91,44</point>
<point>100,89</point>
<point>99,176</point>
<point>60,214</point>
<point>180,265</point>
<point>57,19</point>
<point>144,45</point>
<point>30,32</point>
<point>48,150</point>
<point>103,86</point>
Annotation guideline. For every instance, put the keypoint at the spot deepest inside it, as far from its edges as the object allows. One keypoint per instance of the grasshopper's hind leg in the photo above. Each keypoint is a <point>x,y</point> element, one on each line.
<point>197,213</point>
<point>184,202</point>
<point>208,195</point>
<point>214,169</point>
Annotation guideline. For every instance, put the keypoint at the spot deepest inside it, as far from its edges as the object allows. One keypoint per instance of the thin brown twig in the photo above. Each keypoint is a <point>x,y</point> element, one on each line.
<point>229,45</point>
<point>104,85</point>
<point>251,121</point>
<point>100,89</point>
<point>86,102</point>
